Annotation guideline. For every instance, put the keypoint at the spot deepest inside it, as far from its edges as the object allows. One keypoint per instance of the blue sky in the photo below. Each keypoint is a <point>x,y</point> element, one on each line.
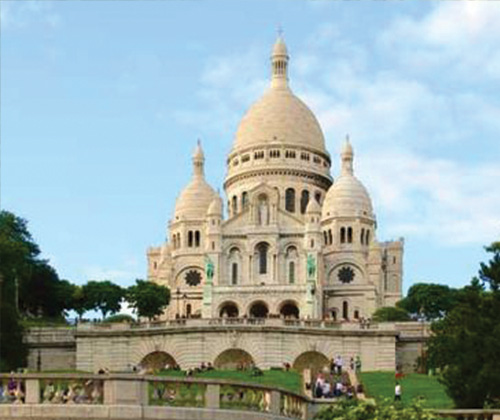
<point>102,103</point>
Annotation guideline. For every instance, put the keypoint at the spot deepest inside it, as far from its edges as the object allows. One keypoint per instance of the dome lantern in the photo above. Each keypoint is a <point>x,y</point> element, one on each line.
<point>279,64</point>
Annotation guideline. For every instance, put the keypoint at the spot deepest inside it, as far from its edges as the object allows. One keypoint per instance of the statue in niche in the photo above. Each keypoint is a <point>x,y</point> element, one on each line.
<point>311,266</point>
<point>263,211</point>
<point>209,269</point>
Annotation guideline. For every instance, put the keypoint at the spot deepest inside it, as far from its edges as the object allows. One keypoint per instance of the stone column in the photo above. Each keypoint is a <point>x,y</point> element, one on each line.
<point>212,396</point>
<point>32,391</point>
<point>275,406</point>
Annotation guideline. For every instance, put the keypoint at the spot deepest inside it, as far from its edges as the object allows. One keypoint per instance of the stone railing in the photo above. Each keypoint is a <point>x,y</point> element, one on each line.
<point>235,322</point>
<point>149,393</point>
<point>463,414</point>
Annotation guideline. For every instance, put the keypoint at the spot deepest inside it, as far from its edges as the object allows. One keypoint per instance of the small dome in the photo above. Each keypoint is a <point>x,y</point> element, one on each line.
<point>313,207</point>
<point>196,197</point>
<point>215,208</point>
<point>194,200</point>
<point>347,197</point>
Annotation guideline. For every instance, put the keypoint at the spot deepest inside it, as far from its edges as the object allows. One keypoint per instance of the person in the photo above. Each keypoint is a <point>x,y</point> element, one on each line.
<point>318,386</point>
<point>339,362</point>
<point>397,392</point>
<point>358,364</point>
<point>333,366</point>
<point>352,364</point>
<point>327,389</point>
<point>338,388</point>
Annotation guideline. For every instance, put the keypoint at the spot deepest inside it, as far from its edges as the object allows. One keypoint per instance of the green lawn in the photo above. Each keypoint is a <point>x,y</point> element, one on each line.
<point>380,385</point>
<point>289,380</point>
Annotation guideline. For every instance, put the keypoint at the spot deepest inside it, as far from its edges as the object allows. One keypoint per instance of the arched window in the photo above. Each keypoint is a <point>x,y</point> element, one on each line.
<point>325,236</point>
<point>345,310</point>
<point>235,205</point>
<point>291,272</point>
<point>179,240</point>
<point>244,200</point>
<point>304,200</point>
<point>290,200</point>
<point>312,243</point>
<point>356,314</point>
<point>342,235</point>
<point>367,238</point>
<point>234,261</point>
<point>190,238</point>
<point>174,241</point>
<point>362,236</point>
<point>262,249</point>
<point>188,310</point>
<point>317,196</point>
<point>349,235</point>
<point>197,238</point>
<point>330,237</point>
<point>234,273</point>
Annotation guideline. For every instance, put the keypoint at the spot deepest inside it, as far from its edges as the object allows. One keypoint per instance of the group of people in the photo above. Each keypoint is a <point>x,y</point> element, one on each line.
<point>13,392</point>
<point>204,367</point>
<point>334,382</point>
<point>325,388</point>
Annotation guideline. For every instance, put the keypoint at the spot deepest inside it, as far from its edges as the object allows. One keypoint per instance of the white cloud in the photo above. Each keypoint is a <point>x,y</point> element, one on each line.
<point>442,200</point>
<point>460,37</point>
<point>26,13</point>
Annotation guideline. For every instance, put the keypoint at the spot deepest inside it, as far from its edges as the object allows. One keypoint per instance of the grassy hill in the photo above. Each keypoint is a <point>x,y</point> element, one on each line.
<point>380,385</point>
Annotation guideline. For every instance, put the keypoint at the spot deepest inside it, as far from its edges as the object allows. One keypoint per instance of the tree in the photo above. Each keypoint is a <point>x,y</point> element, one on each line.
<point>369,410</point>
<point>18,252</point>
<point>391,314</point>
<point>103,296</point>
<point>465,343</point>
<point>147,298</point>
<point>490,273</point>
<point>429,300</point>
<point>79,301</point>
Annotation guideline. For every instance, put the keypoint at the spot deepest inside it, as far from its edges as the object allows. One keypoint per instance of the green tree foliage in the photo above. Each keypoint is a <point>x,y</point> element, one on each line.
<point>147,298</point>
<point>18,253</point>
<point>79,301</point>
<point>103,296</point>
<point>489,273</point>
<point>391,314</point>
<point>465,344</point>
<point>429,300</point>
<point>369,410</point>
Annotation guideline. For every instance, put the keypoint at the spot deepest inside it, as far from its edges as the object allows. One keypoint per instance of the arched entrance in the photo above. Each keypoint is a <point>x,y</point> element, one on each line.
<point>228,310</point>
<point>233,359</point>
<point>158,360</point>
<point>258,310</point>
<point>289,310</point>
<point>312,360</point>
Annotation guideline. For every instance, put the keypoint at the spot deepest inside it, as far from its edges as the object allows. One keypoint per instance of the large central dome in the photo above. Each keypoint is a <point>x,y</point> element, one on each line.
<point>279,117</point>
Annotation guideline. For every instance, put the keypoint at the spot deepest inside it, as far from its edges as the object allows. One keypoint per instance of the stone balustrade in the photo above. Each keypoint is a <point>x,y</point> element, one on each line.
<point>144,397</point>
<point>464,414</point>
<point>234,322</point>
<point>157,393</point>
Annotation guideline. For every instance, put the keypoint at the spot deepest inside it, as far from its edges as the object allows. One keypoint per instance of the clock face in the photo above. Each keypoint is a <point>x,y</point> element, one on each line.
<point>346,275</point>
<point>193,278</point>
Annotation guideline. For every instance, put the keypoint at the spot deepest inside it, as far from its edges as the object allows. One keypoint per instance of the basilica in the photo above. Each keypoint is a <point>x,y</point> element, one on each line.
<point>290,240</point>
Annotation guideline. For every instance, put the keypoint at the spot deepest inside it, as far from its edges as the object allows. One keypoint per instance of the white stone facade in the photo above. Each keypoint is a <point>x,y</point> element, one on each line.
<point>294,242</point>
